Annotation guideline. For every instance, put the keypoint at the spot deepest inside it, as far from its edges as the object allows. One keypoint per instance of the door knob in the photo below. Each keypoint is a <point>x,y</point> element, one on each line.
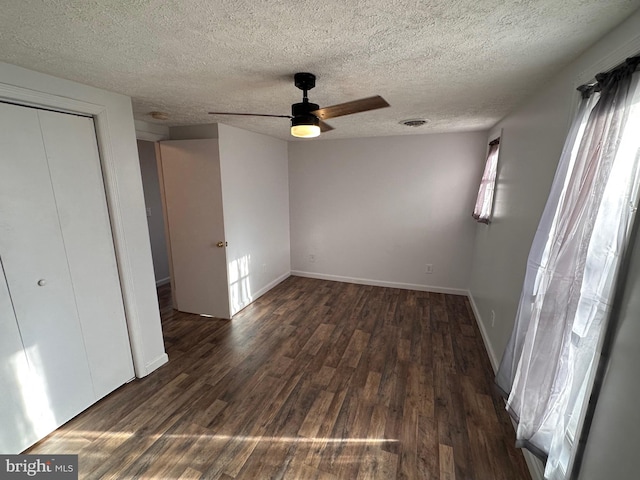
<point>221,244</point>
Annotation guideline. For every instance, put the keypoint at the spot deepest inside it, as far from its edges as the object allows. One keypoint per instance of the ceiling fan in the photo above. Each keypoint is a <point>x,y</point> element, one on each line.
<point>307,119</point>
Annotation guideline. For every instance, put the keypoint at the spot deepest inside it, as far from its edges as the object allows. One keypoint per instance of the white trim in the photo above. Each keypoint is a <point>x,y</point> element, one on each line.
<point>609,61</point>
<point>483,332</point>
<point>269,286</point>
<point>163,281</point>
<point>380,283</point>
<point>165,218</point>
<point>33,98</point>
<point>150,131</point>
<point>112,189</point>
<point>536,468</point>
<point>149,137</point>
<point>157,363</point>
<point>261,292</point>
<point>24,96</point>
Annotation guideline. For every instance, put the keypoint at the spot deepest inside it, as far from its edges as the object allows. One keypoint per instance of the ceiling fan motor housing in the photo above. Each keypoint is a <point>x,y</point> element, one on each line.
<point>301,114</point>
<point>303,108</point>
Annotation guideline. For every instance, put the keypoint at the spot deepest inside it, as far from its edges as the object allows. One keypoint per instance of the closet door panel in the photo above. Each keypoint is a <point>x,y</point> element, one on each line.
<point>74,164</point>
<point>18,426</point>
<point>34,259</point>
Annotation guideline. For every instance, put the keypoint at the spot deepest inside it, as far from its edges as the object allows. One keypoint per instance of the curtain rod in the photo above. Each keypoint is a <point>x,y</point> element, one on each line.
<point>588,88</point>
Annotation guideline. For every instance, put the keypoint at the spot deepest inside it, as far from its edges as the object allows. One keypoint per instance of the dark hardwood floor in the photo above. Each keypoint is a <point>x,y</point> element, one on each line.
<point>315,380</point>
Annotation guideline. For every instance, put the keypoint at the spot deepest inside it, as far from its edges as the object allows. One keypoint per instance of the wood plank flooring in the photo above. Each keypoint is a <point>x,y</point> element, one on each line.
<point>315,380</point>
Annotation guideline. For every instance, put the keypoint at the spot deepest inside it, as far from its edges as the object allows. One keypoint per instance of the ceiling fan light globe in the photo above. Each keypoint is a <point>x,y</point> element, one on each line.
<point>305,131</point>
<point>305,126</point>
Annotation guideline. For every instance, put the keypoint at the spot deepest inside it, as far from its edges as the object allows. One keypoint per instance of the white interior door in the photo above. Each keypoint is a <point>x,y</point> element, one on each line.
<point>64,339</point>
<point>195,222</point>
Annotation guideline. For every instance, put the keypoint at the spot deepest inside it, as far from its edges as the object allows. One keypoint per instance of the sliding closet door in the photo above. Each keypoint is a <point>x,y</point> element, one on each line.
<point>60,281</point>
<point>76,176</point>
<point>21,420</point>
<point>58,383</point>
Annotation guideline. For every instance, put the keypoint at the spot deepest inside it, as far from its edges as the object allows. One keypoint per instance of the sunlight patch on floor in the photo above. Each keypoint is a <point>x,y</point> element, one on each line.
<point>121,436</point>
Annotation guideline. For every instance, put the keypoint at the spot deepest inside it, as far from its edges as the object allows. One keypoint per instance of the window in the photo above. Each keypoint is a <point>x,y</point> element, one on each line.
<point>484,202</point>
<point>550,363</point>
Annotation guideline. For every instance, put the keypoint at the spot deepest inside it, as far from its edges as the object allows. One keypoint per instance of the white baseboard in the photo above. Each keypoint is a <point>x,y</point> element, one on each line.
<point>262,291</point>
<point>380,283</point>
<point>155,364</point>
<point>163,281</point>
<point>536,468</point>
<point>493,358</point>
<point>270,285</point>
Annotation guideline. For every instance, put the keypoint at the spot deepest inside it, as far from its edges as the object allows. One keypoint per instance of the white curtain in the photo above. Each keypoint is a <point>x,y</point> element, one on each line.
<point>571,271</point>
<point>484,201</point>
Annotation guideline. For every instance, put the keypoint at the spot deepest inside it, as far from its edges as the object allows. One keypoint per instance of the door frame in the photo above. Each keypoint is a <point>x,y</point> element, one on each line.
<point>131,270</point>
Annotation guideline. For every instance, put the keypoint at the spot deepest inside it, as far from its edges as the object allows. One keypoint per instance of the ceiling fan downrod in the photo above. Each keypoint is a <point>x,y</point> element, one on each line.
<point>304,81</point>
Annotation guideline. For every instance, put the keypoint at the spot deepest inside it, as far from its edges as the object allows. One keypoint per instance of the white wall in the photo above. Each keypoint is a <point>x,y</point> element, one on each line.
<point>255,195</point>
<point>377,210</point>
<point>190,132</point>
<point>531,144</point>
<point>116,138</point>
<point>153,203</point>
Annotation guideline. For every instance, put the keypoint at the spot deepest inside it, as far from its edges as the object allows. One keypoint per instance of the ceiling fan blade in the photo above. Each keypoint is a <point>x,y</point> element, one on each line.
<point>250,114</point>
<point>325,127</point>
<point>356,106</point>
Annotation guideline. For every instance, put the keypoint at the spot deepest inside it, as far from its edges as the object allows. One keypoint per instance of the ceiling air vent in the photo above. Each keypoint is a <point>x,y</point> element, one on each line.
<point>414,122</point>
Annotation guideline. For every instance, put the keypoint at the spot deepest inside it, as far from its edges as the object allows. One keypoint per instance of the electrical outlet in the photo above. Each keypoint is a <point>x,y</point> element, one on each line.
<point>312,258</point>
<point>264,268</point>
<point>428,268</point>
<point>493,318</point>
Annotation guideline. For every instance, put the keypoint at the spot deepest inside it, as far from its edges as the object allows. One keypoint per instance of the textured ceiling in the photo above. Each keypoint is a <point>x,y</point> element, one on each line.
<point>460,64</point>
